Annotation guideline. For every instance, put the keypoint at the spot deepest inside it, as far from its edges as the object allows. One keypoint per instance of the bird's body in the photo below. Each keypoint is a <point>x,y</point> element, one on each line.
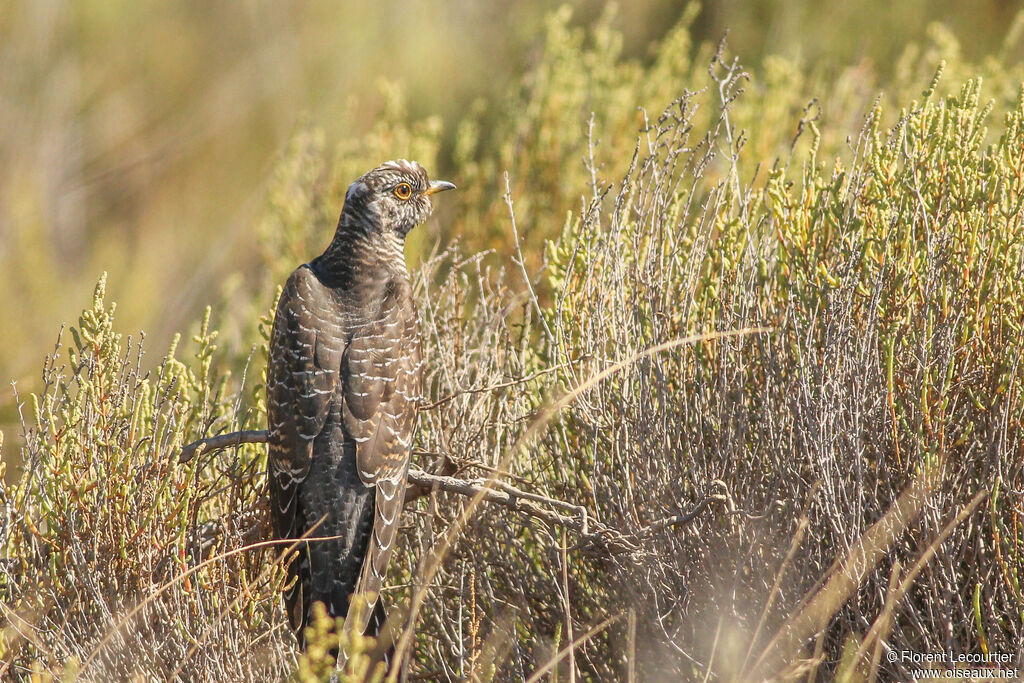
<point>343,384</point>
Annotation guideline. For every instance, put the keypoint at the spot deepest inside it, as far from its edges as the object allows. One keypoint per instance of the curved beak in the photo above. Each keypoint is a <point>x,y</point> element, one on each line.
<point>439,186</point>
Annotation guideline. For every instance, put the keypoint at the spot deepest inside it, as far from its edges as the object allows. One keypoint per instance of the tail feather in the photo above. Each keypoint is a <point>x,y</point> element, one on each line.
<point>385,650</point>
<point>337,604</point>
<point>296,597</point>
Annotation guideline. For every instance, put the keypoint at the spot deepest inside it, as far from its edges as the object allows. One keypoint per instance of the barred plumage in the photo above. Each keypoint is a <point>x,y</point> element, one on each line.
<point>343,383</point>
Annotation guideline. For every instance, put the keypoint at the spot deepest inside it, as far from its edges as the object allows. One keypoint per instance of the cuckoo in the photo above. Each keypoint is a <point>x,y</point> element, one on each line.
<point>343,384</point>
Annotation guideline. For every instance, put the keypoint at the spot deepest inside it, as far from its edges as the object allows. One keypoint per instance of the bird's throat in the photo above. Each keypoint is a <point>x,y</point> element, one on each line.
<point>361,267</point>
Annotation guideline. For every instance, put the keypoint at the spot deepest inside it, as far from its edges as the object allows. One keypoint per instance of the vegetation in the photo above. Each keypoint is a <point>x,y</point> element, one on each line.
<point>775,299</point>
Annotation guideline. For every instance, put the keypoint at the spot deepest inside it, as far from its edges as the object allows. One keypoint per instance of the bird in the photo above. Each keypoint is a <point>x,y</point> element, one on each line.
<point>344,380</point>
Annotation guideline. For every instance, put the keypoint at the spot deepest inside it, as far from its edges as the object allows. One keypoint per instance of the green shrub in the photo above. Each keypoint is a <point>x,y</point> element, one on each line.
<point>113,548</point>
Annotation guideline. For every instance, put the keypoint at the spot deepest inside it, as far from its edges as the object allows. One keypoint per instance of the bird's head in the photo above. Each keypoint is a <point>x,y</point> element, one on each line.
<point>394,197</point>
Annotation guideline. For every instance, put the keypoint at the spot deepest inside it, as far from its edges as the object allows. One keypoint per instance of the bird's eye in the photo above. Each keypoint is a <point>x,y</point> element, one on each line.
<point>403,191</point>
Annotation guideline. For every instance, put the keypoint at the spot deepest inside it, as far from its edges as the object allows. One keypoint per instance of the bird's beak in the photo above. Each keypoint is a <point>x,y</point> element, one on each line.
<point>439,186</point>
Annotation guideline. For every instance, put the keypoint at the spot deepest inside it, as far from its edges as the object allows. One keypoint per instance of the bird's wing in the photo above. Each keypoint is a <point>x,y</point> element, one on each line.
<point>381,375</point>
<point>302,374</point>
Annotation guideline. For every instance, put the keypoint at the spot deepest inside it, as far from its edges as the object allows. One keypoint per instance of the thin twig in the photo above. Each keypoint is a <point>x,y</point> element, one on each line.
<point>521,262</point>
<point>494,387</point>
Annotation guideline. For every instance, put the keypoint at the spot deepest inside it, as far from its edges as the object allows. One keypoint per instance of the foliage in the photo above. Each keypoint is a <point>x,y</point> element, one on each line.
<point>894,348</point>
<point>108,539</point>
<point>870,254</point>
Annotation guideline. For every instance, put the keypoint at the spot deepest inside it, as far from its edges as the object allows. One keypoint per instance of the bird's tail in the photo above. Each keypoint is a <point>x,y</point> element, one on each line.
<point>337,604</point>
<point>296,597</point>
<point>379,628</point>
<point>385,639</point>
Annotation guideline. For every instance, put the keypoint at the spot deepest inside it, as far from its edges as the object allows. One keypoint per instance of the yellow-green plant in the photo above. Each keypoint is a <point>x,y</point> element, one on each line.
<point>108,538</point>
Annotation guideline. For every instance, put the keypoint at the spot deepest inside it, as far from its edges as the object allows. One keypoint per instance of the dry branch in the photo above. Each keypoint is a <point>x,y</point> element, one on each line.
<point>595,538</point>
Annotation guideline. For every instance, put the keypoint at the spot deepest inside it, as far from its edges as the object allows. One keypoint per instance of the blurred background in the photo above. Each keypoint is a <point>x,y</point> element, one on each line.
<point>138,137</point>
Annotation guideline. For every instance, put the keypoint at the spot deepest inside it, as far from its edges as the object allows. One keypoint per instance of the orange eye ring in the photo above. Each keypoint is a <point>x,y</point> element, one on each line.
<point>403,191</point>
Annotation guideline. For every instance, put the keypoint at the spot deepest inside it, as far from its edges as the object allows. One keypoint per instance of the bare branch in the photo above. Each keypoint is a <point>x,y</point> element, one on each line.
<point>220,442</point>
<point>596,538</point>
